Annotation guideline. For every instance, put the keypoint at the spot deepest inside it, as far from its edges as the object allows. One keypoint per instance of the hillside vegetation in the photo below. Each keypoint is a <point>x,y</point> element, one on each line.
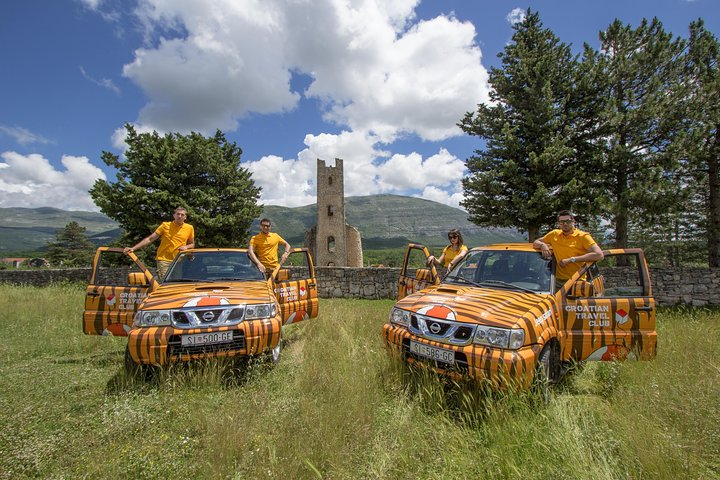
<point>338,407</point>
<point>384,221</point>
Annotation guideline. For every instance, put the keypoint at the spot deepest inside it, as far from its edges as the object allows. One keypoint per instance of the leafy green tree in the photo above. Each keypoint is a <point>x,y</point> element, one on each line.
<point>643,120</point>
<point>72,248</point>
<point>703,133</point>
<point>160,173</point>
<point>540,134</point>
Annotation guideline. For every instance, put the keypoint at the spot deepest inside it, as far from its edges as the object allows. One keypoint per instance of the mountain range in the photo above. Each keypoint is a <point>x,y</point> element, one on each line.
<point>384,221</point>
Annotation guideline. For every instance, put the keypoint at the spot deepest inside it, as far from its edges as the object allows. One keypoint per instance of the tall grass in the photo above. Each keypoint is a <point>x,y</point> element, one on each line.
<point>337,406</point>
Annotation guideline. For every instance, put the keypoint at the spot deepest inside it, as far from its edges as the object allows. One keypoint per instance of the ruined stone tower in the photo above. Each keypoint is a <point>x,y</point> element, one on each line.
<point>332,241</point>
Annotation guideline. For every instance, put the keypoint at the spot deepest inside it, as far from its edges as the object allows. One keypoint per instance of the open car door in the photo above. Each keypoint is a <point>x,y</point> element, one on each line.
<point>416,274</point>
<point>118,284</point>
<point>295,287</point>
<point>610,314</point>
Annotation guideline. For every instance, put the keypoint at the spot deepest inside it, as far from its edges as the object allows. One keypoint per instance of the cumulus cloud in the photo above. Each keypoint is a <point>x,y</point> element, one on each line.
<point>516,15</point>
<point>31,181</point>
<point>373,68</point>
<point>291,182</point>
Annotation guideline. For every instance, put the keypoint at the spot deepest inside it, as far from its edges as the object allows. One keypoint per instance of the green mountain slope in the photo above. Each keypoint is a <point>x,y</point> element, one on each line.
<point>391,221</point>
<point>384,221</point>
<point>31,229</point>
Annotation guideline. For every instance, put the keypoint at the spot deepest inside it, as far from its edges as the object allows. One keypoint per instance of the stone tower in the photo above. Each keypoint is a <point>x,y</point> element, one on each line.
<point>333,242</point>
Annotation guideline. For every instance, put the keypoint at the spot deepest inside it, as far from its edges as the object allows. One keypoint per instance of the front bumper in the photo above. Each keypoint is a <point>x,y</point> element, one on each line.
<point>162,345</point>
<point>502,368</point>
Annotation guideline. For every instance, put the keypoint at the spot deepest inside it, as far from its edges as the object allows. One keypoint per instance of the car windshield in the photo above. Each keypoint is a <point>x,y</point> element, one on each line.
<point>212,267</point>
<point>504,269</point>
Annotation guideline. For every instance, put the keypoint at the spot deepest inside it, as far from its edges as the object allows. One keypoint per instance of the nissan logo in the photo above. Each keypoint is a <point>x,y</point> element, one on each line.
<point>435,328</point>
<point>208,316</point>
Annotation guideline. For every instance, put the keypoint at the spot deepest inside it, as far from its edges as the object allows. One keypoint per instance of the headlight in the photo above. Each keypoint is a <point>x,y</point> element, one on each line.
<point>153,318</point>
<point>401,317</point>
<point>263,310</point>
<point>499,337</point>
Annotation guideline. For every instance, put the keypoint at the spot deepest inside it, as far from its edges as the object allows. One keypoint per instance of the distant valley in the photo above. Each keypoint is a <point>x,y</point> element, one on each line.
<point>384,221</point>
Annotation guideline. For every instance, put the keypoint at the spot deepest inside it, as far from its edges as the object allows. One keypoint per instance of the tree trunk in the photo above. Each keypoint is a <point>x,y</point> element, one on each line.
<point>713,226</point>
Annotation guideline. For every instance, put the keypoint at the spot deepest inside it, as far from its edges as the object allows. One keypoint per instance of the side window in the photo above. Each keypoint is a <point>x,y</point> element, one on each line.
<point>300,265</point>
<point>622,276</point>
<point>416,260</point>
<point>113,269</point>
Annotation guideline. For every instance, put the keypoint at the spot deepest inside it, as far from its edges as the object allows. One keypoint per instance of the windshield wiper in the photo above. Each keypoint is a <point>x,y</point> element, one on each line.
<point>507,284</point>
<point>180,280</point>
<point>462,280</point>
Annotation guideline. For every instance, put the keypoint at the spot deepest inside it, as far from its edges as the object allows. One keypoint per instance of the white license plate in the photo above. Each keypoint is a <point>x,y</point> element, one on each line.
<point>206,338</point>
<point>433,353</point>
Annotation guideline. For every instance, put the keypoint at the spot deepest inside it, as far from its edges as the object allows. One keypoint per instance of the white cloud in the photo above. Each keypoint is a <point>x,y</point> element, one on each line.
<point>103,82</point>
<point>291,182</point>
<point>371,67</point>
<point>31,181</point>
<point>516,15</point>
<point>23,136</point>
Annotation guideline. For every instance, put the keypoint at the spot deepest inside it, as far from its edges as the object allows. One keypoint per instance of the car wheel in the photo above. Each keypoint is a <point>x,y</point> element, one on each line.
<point>273,357</point>
<point>135,370</point>
<point>545,373</point>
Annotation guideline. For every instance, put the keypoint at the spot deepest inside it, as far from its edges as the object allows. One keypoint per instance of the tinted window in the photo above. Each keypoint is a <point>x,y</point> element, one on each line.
<point>525,270</point>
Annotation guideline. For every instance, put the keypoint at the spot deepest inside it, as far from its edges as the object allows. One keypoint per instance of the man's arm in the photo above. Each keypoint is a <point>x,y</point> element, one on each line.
<point>287,252</point>
<point>594,254</point>
<point>253,257</point>
<point>142,243</point>
<point>545,249</point>
<point>190,244</point>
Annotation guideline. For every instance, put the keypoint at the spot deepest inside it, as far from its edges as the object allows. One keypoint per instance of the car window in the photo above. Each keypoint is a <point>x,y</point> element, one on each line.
<point>504,269</point>
<point>212,266</point>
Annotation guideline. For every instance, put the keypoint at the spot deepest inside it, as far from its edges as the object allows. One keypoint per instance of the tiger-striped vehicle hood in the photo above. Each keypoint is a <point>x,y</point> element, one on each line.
<point>208,293</point>
<point>485,306</point>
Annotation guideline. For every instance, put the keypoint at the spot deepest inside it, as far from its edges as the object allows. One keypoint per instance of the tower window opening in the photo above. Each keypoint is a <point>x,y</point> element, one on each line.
<point>331,244</point>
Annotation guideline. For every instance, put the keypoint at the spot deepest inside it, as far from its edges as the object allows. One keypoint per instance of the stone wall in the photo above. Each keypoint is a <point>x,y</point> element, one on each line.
<point>671,286</point>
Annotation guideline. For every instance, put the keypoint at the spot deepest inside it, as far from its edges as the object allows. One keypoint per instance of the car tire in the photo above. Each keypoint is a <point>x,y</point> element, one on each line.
<point>273,356</point>
<point>546,373</point>
<point>135,370</point>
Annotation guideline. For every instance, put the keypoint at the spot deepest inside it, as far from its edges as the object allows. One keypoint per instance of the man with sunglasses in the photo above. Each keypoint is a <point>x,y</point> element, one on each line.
<point>263,249</point>
<point>570,246</point>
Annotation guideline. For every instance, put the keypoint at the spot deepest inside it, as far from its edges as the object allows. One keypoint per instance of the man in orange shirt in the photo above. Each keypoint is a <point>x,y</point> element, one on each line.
<point>263,249</point>
<point>570,246</point>
<point>175,237</point>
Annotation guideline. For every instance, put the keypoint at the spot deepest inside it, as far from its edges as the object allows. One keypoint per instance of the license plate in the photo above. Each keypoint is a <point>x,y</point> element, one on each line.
<point>206,338</point>
<point>433,353</point>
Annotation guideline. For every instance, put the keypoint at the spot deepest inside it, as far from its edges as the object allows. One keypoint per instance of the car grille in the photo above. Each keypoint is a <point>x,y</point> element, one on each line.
<point>175,348</point>
<point>207,317</point>
<point>444,331</point>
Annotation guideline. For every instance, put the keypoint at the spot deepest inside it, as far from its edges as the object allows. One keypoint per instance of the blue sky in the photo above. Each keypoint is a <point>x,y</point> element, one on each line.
<point>380,84</point>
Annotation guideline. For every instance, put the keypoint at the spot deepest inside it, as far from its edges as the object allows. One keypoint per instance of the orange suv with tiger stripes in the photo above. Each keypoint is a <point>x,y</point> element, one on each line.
<point>499,317</point>
<point>213,302</point>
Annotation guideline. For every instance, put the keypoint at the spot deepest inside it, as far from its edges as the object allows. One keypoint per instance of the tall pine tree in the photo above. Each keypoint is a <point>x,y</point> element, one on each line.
<point>539,134</point>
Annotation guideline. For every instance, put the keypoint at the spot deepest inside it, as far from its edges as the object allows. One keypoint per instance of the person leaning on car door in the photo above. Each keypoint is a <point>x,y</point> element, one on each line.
<point>263,248</point>
<point>570,245</point>
<point>453,253</point>
<point>175,237</point>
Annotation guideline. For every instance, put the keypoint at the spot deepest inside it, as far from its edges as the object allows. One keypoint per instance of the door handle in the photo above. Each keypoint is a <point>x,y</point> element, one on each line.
<point>644,309</point>
<point>93,294</point>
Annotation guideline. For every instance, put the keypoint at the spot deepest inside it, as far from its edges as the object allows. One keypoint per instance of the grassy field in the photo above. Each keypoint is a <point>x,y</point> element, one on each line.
<point>338,407</point>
